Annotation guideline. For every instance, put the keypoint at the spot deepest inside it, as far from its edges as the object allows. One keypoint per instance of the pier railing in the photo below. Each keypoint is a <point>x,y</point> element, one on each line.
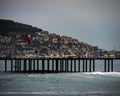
<point>55,65</point>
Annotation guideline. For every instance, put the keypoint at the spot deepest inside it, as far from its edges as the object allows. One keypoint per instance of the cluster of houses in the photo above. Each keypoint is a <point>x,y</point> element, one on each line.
<point>50,45</point>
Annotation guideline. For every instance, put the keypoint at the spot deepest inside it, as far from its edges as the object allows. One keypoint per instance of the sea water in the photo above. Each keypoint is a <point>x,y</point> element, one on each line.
<point>61,84</point>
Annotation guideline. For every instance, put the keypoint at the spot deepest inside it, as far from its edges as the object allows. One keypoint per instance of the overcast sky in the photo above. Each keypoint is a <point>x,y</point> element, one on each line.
<point>96,22</point>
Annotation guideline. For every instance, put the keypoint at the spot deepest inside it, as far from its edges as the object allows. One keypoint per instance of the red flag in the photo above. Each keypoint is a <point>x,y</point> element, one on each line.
<point>27,37</point>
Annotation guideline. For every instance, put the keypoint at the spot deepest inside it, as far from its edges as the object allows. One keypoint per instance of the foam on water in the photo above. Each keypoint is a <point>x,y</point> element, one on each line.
<point>23,93</point>
<point>104,73</point>
<point>46,93</point>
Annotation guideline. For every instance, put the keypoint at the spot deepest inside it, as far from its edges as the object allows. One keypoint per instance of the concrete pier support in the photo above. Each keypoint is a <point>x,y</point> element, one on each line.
<point>58,65</point>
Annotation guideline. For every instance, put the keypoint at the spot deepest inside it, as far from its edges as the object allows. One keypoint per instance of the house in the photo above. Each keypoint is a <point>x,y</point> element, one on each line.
<point>111,54</point>
<point>54,40</point>
<point>117,54</point>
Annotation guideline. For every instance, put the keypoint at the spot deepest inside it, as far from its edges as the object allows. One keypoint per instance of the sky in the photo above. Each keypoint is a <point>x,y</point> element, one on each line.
<point>96,22</point>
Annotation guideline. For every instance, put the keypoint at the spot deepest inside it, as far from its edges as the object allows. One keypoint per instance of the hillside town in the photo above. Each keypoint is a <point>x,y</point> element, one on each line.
<point>49,45</point>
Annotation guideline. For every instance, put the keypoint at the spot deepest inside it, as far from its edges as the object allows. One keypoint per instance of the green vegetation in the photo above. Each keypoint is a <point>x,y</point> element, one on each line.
<point>7,26</point>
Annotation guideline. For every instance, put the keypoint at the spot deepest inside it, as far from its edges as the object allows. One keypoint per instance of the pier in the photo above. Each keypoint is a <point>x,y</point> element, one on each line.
<point>57,65</point>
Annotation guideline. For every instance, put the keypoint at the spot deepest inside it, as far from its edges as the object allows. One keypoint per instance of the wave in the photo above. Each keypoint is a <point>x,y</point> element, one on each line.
<point>38,93</point>
<point>46,93</point>
<point>60,75</point>
<point>104,73</point>
<point>25,93</point>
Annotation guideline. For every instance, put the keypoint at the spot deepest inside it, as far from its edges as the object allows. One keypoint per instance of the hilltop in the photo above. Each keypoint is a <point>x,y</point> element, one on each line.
<point>7,26</point>
<point>43,43</point>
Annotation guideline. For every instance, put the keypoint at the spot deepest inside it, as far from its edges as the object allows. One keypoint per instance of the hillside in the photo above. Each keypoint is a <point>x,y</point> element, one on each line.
<point>41,41</point>
<point>12,43</point>
<point>7,26</point>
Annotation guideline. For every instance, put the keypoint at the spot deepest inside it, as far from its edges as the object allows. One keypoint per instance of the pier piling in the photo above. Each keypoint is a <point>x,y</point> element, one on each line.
<point>90,65</point>
<point>93,65</point>
<point>83,65</point>
<point>48,62</point>
<point>43,63</point>
<point>86,65</point>
<point>25,64</point>
<point>74,65</point>
<point>111,65</point>
<point>52,65</point>
<point>57,65</point>
<point>11,65</point>
<point>78,65</point>
<point>37,65</point>
<point>34,65</point>
<point>5,65</point>
<point>105,65</point>
<point>71,65</point>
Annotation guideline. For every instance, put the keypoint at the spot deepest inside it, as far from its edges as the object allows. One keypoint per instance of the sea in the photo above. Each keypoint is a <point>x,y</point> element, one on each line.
<point>97,83</point>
